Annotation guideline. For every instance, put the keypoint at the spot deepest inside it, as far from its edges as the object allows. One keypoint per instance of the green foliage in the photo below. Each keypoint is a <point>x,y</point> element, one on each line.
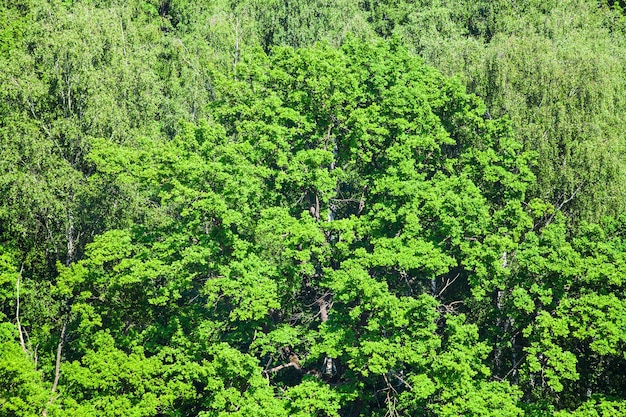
<point>600,407</point>
<point>262,208</point>
<point>21,392</point>
<point>560,84</point>
<point>312,398</point>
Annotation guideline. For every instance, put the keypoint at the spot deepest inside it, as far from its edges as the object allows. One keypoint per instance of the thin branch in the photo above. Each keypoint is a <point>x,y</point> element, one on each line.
<point>57,368</point>
<point>237,52</point>
<point>301,197</point>
<point>362,201</point>
<point>31,106</point>
<point>345,200</point>
<point>570,197</point>
<point>323,310</point>
<point>567,200</point>
<point>54,246</point>
<point>324,306</point>
<point>206,81</point>
<point>327,293</point>
<point>317,208</point>
<point>57,371</point>
<point>291,364</point>
<point>123,40</point>
<point>403,381</point>
<point>35,355</point>
<point>389,385</point>
<point>448,283</point>
<point>514,368</point>
<point>327,138</point>
<point>17,310</point>
<point>449,308</point>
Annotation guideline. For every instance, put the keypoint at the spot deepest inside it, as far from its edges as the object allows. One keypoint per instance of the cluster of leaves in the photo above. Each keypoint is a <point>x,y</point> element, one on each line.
<point>196,221</point>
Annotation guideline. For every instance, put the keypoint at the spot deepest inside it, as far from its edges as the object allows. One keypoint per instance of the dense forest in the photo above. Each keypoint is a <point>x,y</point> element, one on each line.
<point>322,208</point>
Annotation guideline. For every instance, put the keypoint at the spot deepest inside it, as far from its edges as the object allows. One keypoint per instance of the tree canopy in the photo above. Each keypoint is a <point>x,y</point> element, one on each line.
<point>328,208</point>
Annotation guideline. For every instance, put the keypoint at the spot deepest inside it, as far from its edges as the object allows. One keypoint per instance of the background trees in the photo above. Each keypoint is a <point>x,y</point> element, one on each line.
<point>553,69</point>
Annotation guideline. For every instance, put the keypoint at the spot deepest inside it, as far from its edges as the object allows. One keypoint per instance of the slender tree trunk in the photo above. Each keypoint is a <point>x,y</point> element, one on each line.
<point>329,364</point>
<point>71,244</point>
<point>17,310</point>
<point>57,370</point>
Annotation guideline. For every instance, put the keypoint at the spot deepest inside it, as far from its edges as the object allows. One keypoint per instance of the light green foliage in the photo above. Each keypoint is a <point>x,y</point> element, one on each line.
<point>312,398</point>
<point>9,276</point>
<point>110,382</point>
<point>328,265</point>
<point>567,302</point>
<point>21,393</point>
<point>458,370</point>
<point>597,407</point>
<point>394,187</point>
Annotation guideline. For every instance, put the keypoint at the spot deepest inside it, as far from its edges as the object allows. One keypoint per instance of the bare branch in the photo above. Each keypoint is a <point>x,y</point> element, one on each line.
<point>361,202</point>
<point>57,370</point>
<point>564,202</point>
<point>283,366</point>
<point>403,381</point>
<point>327,138</point>
<point>324,306</point>
<point>17,310</point>
<point>317,208</point>
<point>448,283</point>
<point>513,369</point>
